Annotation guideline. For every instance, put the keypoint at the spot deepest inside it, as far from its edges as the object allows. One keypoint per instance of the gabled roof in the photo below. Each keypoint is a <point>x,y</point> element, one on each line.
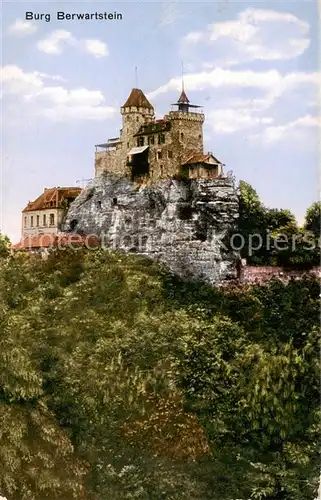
<point>201,158</point>
<point>53,198</point>
<point>137,98</point>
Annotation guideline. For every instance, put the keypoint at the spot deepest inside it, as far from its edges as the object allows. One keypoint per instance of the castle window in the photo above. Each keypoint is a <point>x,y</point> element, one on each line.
<point>99,204</point>
<point>114,201</point>
<point>170,154</point>
<point>31,221</point>
<point>51,219</point>
<point>25,221</point>
<point>182,136</point>
<point>127,144</point>
<point>73,224</point>
<point>144,241</point>
<point>137,118</point>
<point>161,138</point>
<point>159,155</point>
<point>141,141</point>
<point>37,220</point>
<point>44,220</point>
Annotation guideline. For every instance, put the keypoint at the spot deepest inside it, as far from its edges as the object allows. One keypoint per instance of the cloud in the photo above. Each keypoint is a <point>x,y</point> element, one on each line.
<point>55,42</point>
<point>22,28</point>
<point>232,120</point>
<point>53,102</point>
<point>272,83</point>
<point>242,98</point>
<point>96,48</point>
<point>58,40</point>
<point>256,34</point>
<point>293,130</point>
<point>15,81</point>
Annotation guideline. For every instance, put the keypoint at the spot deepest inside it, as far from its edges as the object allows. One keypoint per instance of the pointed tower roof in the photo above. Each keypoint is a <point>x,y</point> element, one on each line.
<point>183,99</point>
<point>137,98</point>
<point>183,103</point>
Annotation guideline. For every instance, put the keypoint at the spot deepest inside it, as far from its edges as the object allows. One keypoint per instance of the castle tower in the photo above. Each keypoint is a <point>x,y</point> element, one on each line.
<point>187,127</point>
<point>136,111</point>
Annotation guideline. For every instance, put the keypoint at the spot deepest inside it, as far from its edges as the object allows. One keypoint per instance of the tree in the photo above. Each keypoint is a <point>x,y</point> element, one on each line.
<point>313,219</point>
<point>142,386</point>
<point>37,459</point>
<point>4,245</point>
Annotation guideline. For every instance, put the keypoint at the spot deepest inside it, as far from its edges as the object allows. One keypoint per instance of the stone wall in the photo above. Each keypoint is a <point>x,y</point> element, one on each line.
<point>263,274</point>
<point>111,161</point>
<point>179,223</point>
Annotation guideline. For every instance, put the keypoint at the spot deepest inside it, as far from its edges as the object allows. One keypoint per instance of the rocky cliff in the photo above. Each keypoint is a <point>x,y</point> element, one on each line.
<point>184,224</point>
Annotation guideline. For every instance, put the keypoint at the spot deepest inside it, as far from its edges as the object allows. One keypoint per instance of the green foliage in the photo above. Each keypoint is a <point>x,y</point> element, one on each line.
<point>118,380</point>
<point>4,245</point>
<point>272,236</point>
<point>313,219</point>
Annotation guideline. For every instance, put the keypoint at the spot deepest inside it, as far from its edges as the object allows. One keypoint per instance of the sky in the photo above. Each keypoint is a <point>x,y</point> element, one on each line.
<point>252,65</point>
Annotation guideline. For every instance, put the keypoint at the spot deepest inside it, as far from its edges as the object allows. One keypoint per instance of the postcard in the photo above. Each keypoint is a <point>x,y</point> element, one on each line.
<point>160,250</point>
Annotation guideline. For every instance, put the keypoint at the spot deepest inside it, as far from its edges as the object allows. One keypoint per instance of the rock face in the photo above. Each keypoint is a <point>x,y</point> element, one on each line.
<point>184,224</point>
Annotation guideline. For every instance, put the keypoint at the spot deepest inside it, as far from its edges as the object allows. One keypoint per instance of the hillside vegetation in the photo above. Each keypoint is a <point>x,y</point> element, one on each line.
<point>119,381</point>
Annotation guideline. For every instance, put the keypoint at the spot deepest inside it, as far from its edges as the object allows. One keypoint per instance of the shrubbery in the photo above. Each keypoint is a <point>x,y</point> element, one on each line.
<point>120,381</point>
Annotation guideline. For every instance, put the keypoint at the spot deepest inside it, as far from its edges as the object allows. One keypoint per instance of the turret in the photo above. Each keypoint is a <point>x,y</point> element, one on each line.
<point>187,126</point>
<point>183,103</point>
<point>136,112</point>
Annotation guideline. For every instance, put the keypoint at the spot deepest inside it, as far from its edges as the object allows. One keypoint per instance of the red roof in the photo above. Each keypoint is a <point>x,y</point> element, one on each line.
<point>183,99</point>
<point>56,240</point>
<point>53,198</point>
<point>200,158</point>
<point>137,98</point>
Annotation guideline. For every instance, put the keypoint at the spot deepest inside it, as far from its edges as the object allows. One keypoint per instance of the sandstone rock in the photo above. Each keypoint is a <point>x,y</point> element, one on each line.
<point>179,223</point>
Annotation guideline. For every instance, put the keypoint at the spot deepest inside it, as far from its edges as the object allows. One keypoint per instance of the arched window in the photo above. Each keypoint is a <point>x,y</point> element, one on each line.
<point>182,136</point>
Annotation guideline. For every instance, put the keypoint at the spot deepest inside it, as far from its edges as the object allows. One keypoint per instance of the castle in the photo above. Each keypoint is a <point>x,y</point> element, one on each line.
<point>151,150</point>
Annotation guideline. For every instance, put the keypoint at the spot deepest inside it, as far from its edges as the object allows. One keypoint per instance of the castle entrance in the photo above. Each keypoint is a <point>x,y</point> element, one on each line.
<point>138,162</point>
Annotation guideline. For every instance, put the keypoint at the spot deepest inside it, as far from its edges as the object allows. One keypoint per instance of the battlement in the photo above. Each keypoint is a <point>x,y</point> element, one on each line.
<point>183,115</point>
<point>135,109</point>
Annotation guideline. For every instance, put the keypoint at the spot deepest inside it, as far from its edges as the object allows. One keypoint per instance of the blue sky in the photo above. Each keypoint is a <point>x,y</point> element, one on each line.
<point>252,65</point>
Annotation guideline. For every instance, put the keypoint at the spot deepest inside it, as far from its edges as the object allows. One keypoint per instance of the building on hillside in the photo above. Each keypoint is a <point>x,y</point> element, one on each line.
<point>150,149</point>
<point>46,214</point>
